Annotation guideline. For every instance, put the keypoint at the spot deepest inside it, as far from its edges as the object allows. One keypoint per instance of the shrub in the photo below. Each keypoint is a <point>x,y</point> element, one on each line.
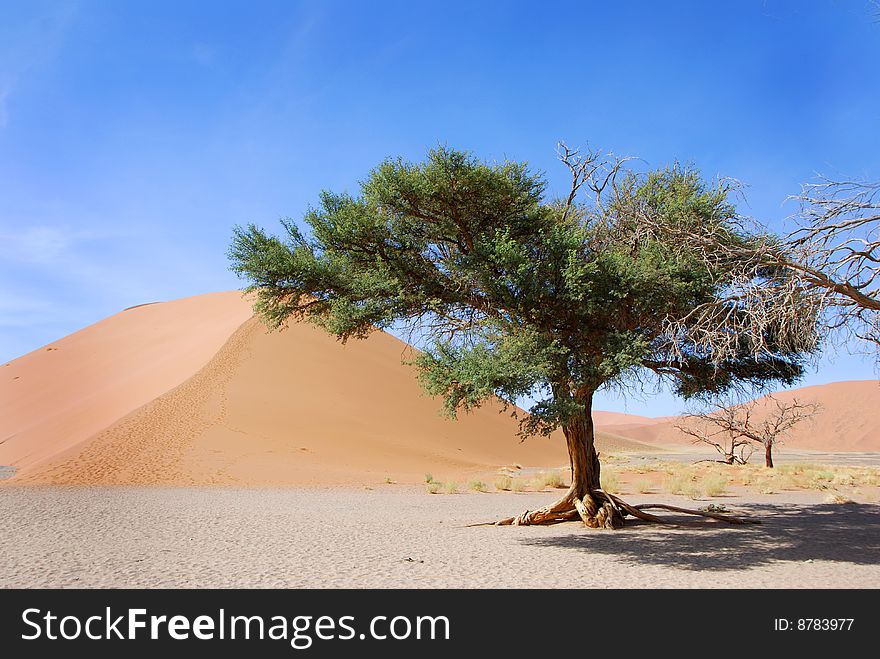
<point>477,486</point>
<point>554,479</point>
<point>676,484</point>
<point>433,488</point>
<point>503,482</point>
<point>451,487</point>
<point>714,485</point>
<point>692,491</point>
<point>549,479</point>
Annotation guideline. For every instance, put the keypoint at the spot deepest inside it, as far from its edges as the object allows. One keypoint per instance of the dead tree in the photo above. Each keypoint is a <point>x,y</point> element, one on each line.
<point>836,252</point>
<point>765,421</point>
<point>716,429</point>
<point>826,268</point>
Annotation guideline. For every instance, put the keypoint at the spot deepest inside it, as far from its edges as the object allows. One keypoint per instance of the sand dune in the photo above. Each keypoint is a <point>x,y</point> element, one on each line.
<point>849,419</point>
<point>57,397</point>
<point>296,408</point>
<point>198,392</point>
<point>607,419</point>
<point>168,394</point>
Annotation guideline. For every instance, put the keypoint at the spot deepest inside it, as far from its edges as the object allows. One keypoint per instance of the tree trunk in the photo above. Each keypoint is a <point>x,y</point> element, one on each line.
<point>583,459</point>
<point>584,498</point>
<point>768,455</point>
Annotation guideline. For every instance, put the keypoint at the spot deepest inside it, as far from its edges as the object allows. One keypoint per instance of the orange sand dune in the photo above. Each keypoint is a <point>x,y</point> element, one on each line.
<point>197,391</point>
<point>849,419</point>
<point>290,407</point>
<point>606,419</point>
<point>55,398</point>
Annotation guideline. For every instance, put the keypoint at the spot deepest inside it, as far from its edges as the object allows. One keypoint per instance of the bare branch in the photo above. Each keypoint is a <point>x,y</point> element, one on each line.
<point>764,421</point>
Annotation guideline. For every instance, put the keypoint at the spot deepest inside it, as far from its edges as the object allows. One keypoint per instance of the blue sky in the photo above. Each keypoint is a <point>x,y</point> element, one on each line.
<point>134,135</point>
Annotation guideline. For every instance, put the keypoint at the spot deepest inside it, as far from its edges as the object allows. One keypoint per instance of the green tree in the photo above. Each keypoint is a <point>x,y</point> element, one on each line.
<point>515,296</point>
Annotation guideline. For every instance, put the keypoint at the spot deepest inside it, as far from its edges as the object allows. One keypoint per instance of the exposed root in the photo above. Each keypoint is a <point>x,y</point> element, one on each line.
<point>601,510</point>
<point>594,515</point>
<point>637,512</point>
<point>561,511</point>
<point>730,519</point>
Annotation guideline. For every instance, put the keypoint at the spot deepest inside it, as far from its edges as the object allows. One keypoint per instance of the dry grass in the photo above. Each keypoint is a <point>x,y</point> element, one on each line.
<point>713,485</point>
<point>609,481</point>
<point>694,480</point>
<point>546,479</point>
<point>504,483</point>
<point>518,485</point>
<point>714,479</point>
<point>693,491</point>
<point>676,483</point>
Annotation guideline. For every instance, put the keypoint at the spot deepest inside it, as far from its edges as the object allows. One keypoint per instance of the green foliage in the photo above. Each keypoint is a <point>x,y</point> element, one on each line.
<point>509,293</point>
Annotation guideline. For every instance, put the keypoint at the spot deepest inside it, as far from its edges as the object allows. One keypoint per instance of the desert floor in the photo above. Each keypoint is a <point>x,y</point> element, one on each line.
<point>399,536</point>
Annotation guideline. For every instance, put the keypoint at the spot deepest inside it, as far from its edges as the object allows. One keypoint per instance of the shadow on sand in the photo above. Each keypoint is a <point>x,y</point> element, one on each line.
<point>848,533</point>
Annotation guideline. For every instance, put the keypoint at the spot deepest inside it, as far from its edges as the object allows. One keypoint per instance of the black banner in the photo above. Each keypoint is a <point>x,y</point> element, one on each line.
<point>318,623</point>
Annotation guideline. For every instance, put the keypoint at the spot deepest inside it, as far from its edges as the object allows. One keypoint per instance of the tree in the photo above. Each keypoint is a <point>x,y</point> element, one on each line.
<point>835,253</point>
<point>514,295</point>
<point>829,263</point>
<point>715,427</point>
<point>744,424</point>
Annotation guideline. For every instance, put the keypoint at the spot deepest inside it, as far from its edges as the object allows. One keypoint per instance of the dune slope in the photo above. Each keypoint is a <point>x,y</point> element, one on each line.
<point>55,398</point>
<point>296,408</point>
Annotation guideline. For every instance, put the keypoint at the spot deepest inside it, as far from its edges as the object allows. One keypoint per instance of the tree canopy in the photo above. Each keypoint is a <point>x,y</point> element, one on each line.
<point>513,293</point>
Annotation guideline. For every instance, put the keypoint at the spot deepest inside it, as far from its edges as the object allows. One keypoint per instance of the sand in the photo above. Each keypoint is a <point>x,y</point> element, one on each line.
<point>395,536</point>
<point>297,408</point>
<point>54,399</point>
